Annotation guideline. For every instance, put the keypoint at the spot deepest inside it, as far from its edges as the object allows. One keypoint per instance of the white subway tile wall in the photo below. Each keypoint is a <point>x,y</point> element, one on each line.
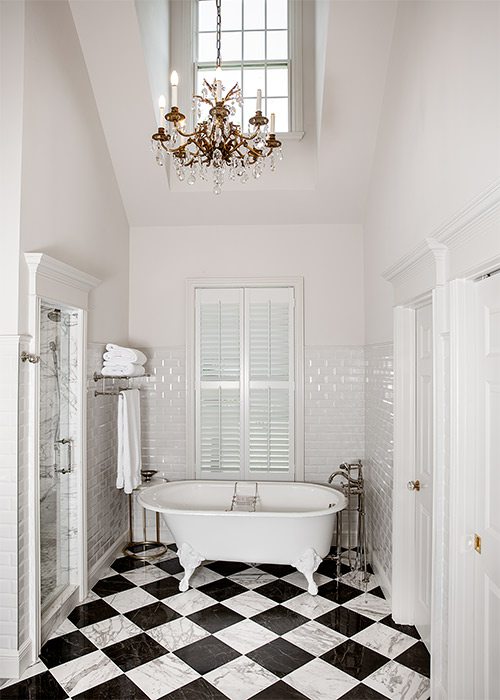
<point>9,575</point>
<point>107,507</point>
<point>25,377</point>
<point>379,451</point>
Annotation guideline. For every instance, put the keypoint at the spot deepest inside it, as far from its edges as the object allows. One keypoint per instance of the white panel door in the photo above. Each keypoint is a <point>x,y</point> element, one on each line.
<point>423,473</point>
<point>486,476</point>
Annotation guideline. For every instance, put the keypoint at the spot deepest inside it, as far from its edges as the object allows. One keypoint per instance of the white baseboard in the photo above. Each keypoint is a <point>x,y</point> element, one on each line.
<point>107,559</point>
<point>385,583</point>
<point>14,662</point>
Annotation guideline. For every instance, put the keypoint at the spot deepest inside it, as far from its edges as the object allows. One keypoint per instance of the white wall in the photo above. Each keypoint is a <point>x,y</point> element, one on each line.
<point>438,144</point>
<point>329,257</point>
<point>71,206</point>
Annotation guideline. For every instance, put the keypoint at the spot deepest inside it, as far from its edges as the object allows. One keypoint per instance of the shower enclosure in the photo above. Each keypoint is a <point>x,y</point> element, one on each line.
<point>58,437</point>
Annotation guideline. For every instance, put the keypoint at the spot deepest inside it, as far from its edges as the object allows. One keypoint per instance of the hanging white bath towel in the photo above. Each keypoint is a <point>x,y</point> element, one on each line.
<point>128,475</point>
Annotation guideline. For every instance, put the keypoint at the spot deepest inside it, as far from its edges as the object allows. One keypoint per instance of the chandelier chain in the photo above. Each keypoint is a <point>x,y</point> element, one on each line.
<point>218,4</point>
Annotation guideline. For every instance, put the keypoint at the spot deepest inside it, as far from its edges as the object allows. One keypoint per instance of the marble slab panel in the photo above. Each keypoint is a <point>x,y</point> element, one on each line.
<point>320,680</point>
<point>241,679</point>
<point>110,631</point>
<point>310,606</point>
<point>399,682</point>
<point>178,633</point>
<point>370,606</point>
<point>246,636</point>
<point>314,638</point>
<point>249,603</point>
<point>385,640</point>
<point>161,676</point>
<point>85,672</point>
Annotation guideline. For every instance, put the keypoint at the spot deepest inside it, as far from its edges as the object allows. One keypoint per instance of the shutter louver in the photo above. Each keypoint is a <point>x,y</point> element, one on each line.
<point>220,341</point>
<point>269,430</point>
<point>220,430</point>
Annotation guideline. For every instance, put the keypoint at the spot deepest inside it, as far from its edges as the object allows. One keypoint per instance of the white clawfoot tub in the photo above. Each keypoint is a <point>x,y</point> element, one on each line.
<point>292,523</point>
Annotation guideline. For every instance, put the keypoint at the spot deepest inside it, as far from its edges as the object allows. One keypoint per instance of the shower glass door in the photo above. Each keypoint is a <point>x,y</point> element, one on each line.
<point>58,432</point>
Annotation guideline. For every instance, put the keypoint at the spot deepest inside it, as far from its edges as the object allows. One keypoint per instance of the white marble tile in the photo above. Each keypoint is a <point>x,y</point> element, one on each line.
<point>241,679</point>
<point>252,578</point>
<point>107,573</point>
<point>85,672</point>
<point>201,576</point>
<point>370,606</point>
<point>178,633</point>
<point>245,636</point>
<point>64,628</point>
<point>310,606</point>
<point>91,597</point>
<point>161,676</point>
<point>300,581</point>
<point>110,631</point>
<point>319,680</point>
<point>145,574</point>
<point>189,602</point>
<point>399,682</point>
<point>385,640</point>
<point>355,579</point>
<point>249,603</point>
<point>130,600</point>
<point>314,638</point>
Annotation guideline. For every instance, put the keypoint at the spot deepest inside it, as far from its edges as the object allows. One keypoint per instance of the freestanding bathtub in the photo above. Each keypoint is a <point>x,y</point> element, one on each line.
<point>259,522</point>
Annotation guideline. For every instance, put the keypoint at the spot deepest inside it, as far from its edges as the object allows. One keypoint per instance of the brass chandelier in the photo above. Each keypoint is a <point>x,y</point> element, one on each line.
<point>217,148</point>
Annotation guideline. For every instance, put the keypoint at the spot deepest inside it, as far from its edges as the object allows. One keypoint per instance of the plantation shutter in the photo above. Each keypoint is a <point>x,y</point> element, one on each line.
<point>244,383</point>
<point>269,435</point>
<point>218,381</point>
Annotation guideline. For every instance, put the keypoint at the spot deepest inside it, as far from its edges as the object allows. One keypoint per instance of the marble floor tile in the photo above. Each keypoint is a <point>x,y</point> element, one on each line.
<point>252,578</point>
<point>245,636</point>
<point>89,613</point>
<point>91,596</point>
<point>345,621</point>
<point>65,648</point>
<point>63,628</point>
<point>227,568</point>
<point>144,575</point>
<point>130,600</point>
<point>314,637</point>
<point>134,651</point>
<point>190,602</point>
<point>119,688</point>
<point>355,579</point>
<point>249,603</point>
<point>241,679</point>
<point>399,682</point>
<point>177,634</point>
<point>355,659</point>
<point>202,576</point>
<point>85,672</point>
<point>111,584</point>
<point>162,676</point>
<point>169,566</point>
<point>152,615</point>
<point>385,640</point>
<point>370,606</point>
<point>128,563</point>
<point>300,580</point>
<point>199,689</point>
<point>280,619</point>
<point>207,654</point>
<point>33,670</point>
<point>162,588</point>
<point>41,685</point>
<point>215,618</point>
<point>280,590</point>
<point>110,631</point>
<point>280,656</point>
<point>338,592</point>
<point>280,691</point>
<point>310,606</point>
<point>222,589</point>
<point>320,681</point>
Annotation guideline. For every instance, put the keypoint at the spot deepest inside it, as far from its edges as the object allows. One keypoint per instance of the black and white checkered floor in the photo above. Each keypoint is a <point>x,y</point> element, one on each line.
<point>240,632</point>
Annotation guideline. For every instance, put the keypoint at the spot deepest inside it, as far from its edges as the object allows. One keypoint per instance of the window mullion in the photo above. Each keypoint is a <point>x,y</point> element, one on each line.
<point>245,385</point>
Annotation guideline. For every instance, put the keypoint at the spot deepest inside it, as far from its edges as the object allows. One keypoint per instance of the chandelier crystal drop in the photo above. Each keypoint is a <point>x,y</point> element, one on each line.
<point>217,149</point>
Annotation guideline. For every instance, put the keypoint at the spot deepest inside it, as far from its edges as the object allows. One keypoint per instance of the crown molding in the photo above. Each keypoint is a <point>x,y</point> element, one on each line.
<point>59,281</point>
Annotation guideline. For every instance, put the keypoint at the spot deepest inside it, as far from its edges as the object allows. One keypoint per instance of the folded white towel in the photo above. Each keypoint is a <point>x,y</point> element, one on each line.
<point>122,370</point>
<point>129,354</point>
<point>128,475</point>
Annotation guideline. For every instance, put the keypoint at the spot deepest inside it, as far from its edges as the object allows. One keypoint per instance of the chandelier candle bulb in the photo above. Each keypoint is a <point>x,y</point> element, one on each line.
<point>258,106</point>
<point>174,82</point>
<point>218,95</point>
<point>272,125</point>
<point>162,104</point>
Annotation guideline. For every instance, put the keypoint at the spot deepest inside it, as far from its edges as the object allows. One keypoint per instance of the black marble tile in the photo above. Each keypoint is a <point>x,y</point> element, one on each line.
<point>134,651</point>
<point>328,567</point>
<point>378,592</point>
<point>111,585</point>
<point>227,568</point>
<point>345,621</point>
<point>65,648</point>
<point>417,658</point>
<point>43,685</point>
<point>279,620</point>
<point>90,613</point>
<point>199,689</point>
<point>406,629</point>
<point>280,657</point>
<point>173,547</point>
<point>163,588</point>
<point>222,589</point>
<point>280,691</point>
<point>278,570</point>
<point>171,566</point>
<point>117,688</point>
<point>127,564</point>
<point>152,615</point>
<point>279,591</point>
<point>355,659</point>
<point>207,654</point>
<point>338,592</point>
<point>362,692</point>
<point>216,617</point>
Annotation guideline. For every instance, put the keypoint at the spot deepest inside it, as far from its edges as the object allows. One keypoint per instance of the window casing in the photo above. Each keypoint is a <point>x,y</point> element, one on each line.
<point>245,381</point>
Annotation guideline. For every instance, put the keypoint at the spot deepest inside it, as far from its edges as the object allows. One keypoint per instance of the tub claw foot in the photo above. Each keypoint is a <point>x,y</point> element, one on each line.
<point>307,565</point>
<point>189,559</point>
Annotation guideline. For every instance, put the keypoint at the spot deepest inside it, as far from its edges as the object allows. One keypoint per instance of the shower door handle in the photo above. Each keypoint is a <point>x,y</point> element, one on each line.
<point>69,443</point>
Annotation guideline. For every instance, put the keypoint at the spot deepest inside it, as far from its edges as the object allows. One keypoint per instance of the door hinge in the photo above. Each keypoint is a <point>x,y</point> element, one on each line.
<point>477,544</point>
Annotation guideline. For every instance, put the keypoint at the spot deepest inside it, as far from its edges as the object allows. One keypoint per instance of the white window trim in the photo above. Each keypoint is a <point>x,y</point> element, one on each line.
<point>183,24</point>
<point>297,283</point>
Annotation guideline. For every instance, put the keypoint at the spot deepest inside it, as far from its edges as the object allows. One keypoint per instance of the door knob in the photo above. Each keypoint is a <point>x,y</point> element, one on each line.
<point>414,485</point>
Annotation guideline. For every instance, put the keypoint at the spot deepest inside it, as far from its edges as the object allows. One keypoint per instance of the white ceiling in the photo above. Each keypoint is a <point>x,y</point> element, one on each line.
<point>324,178</point>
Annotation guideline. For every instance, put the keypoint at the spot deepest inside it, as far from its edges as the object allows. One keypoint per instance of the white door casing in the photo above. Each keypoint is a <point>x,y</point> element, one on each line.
<point>423,470</point>
<point>486,477</point>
